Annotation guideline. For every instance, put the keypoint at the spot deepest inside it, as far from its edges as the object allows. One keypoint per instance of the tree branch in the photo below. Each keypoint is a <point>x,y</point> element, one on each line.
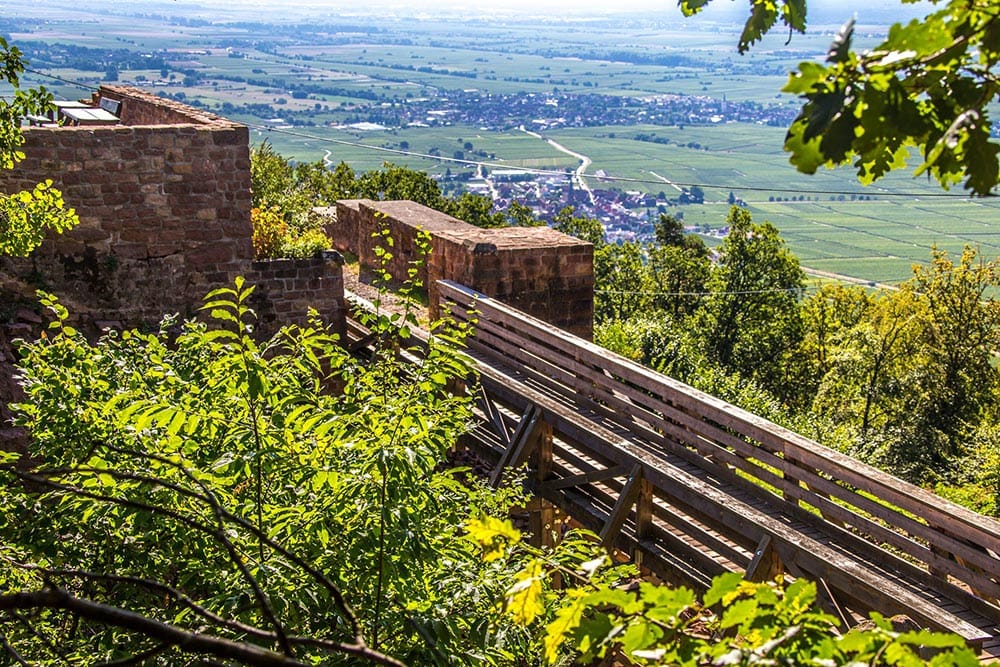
<point>190,642</point>
<point>218,534</point>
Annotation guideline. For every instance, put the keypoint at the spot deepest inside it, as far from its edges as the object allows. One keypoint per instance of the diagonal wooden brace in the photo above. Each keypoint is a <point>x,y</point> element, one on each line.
<point>521,444</point>
<point>586,478</point>
<point>491,412</point>
<point>627,498</point>
<point>766,563</point>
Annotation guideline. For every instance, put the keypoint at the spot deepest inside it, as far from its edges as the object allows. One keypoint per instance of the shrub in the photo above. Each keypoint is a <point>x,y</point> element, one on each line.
<point>273,238</point>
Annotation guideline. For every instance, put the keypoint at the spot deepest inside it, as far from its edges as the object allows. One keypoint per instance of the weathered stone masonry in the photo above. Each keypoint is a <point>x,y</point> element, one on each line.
<point>164,204</point>
<point>535,269</point>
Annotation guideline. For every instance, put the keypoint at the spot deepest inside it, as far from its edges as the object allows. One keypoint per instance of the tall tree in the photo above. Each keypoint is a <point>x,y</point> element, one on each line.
<point>750,318</point>
<point>913,379</point>
<point>961,335</point>
<point>622,280</point>
<point>585,229</point>
<point>679,267</point>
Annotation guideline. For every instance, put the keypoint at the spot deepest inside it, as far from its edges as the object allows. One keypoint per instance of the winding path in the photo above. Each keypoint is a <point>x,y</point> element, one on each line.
<point>585,161</point>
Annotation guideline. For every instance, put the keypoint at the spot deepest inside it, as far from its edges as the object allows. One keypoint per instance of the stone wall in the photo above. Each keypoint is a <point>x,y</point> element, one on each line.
<point>286,290</point>
<point>164,204</point>
<point>535,269</point>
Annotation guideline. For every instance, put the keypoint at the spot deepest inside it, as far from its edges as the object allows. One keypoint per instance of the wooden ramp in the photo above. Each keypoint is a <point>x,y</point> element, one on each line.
<point>691,486</point>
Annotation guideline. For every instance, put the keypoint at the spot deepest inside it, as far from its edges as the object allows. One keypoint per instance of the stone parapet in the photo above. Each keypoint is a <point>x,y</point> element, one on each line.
<point>164,204</point>
<point>536,269</point>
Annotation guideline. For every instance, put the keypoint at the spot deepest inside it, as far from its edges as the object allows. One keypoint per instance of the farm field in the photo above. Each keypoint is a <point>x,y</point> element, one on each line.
<point>872,233</point>
<point>300,95</point>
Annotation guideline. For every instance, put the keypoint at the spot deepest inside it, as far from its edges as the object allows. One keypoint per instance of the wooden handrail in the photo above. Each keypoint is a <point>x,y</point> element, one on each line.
<point>945,538</point>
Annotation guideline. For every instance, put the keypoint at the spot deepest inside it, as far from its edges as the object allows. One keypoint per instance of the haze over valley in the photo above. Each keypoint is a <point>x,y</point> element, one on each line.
<point>623,116</point>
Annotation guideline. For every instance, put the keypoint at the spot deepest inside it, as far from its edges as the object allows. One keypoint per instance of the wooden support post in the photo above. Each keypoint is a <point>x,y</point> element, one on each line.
<point>766,563</point>
<point>541,454</point>
<point>643,517</point>
<point>629,494</point>
<point>541,517</point>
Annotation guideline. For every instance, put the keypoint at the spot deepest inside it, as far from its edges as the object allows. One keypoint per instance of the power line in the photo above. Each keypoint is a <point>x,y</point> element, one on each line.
<point>85,86</point>
<point>776,290</point>
<point>546,172</point>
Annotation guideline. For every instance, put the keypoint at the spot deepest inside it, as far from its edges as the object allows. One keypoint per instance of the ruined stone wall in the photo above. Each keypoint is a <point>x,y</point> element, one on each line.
<point>164,209</point>
<point>286,290</point>
<point>535,269</point>
<point>140,108</point>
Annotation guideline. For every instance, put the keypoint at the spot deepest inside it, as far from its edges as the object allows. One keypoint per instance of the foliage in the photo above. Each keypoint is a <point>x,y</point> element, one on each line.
<point>911,372</point>
<point>750,318</point>
<point>764,15</point>
<point>269,229</point>
<point>294,190</point>
<point>928,85</point>
<point>25,217</point>
<point>273,238</point>
<point>280,497</point>
<point>585,229</point>
<point>622,280</point>
<point>271,178</point>
<point>736,622</point>
<point>306,244</point>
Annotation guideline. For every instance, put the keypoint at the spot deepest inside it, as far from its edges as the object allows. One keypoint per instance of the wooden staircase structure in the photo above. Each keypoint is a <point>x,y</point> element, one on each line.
<point>691,486</point>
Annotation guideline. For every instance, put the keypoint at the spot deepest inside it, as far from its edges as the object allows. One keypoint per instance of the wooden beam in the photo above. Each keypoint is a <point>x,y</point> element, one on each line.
<point>586,478</point>
<point>643,518</point>
<point>765,564</point>
<point>629,494</point>
<point>520,444</point>
<point>491,412</point>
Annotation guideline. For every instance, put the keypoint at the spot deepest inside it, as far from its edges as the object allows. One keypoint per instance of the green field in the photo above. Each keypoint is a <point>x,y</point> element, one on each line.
<point>830,221</point>
<point>873,233</point>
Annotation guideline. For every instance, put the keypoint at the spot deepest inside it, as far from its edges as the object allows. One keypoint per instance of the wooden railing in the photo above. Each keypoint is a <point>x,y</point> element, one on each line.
<point>664,470</point>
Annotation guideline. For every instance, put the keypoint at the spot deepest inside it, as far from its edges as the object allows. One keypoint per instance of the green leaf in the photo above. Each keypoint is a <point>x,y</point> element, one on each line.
<point>692,7</point>
<point>524,598</point>
<point>640,635</point>
<point>567,619</point>
<point>493,535</point>
<point>739,613</point>
<point>763,16</point>
<point>930,639</point>
<point>722,586</point>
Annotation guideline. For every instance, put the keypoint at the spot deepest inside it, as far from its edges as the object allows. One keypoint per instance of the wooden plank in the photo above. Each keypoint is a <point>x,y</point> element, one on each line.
<point>846,575</point>
<point>858,520</point>
<point>745,520</point>
<point>585,478</point>
<point>912,548</point>
<point>620,512</point>
<point>973,527</point>
<point>624,445</point>
<point>702,529</point>
<point>969,553</point>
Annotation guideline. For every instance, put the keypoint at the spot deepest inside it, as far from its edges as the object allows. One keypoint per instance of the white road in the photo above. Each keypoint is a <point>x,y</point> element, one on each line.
<point>585,161</point>
<point>667,181</point>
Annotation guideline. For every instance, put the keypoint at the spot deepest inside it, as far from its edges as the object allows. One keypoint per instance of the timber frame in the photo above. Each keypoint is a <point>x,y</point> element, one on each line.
<point>691,487</point>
